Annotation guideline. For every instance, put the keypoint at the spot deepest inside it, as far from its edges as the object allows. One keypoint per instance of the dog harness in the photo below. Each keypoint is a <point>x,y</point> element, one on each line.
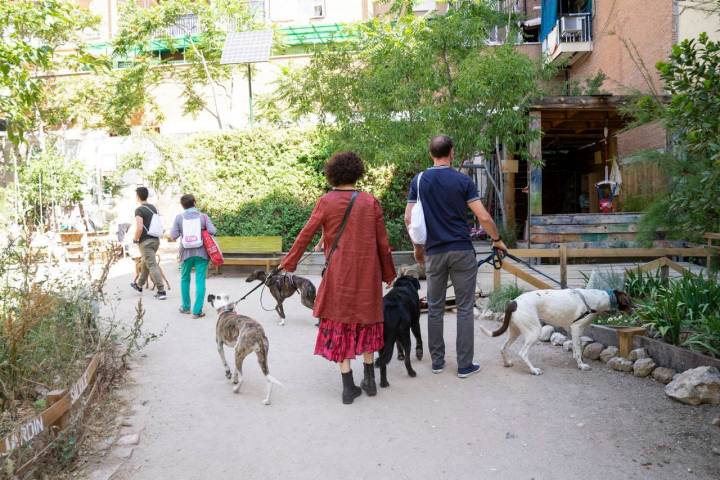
<point>588,311</point>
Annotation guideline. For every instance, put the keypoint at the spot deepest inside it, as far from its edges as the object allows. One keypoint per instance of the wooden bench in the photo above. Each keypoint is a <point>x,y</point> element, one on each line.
<point>262,251</point>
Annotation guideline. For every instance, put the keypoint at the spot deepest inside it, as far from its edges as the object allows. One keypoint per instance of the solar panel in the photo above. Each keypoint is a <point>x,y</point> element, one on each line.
<point>247,47</point>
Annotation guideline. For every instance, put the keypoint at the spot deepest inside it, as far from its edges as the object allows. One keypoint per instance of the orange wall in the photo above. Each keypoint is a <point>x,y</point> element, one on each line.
<point>643,24</point>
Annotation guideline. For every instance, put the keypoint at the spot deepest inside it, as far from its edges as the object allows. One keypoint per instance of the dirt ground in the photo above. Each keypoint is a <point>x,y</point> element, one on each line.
<point>501,423</point>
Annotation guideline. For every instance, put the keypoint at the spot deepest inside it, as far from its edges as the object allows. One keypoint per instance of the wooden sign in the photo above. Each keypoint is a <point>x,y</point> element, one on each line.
<point>30,429</point>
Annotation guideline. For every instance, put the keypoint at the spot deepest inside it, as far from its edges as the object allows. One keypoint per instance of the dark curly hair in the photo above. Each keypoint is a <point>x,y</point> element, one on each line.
<point>344,168</point>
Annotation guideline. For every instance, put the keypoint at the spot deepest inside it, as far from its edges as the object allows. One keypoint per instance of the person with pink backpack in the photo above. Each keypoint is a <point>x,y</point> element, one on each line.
<point>189,227</point>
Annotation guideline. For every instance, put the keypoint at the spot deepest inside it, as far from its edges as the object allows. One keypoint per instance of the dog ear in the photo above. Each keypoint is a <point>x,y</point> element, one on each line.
<point>623,300</point>
<point>211,299</point>
<point>416,283</point>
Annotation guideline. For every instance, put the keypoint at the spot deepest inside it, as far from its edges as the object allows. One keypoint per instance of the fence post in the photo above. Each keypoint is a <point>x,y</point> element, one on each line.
<point>496,279</point>
<point>563,266</point>
<point>53,397</point>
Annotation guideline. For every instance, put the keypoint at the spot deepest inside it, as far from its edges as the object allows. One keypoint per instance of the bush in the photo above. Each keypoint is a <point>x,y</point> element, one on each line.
<point>266,181</point>
<point>499,299</point>
<point>683,311</point>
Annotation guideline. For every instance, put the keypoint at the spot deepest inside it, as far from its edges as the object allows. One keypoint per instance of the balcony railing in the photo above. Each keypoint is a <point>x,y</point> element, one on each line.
<point>572,35</point>
<point>190,25</point>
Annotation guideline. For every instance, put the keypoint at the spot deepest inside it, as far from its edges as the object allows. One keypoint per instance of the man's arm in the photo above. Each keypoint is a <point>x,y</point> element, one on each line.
<point>419,249</point>
<point>139,226</point>
<point>487,223</point>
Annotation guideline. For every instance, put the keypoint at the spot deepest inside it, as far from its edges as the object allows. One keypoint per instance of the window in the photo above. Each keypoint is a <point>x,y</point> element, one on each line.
<point>318,8</point>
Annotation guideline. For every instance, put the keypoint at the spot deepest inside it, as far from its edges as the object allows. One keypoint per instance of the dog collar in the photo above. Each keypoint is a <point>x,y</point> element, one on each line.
<point>613,299</point>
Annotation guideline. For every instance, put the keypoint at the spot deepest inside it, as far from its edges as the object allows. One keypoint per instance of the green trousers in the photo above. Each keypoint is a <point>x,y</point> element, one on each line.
<point>200,265</point>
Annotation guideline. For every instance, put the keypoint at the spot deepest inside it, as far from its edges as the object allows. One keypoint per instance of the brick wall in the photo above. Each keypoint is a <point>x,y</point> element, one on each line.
<point>646,24</point>
<point>650,136</point>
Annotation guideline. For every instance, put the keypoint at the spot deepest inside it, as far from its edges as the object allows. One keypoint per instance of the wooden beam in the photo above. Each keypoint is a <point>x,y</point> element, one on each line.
<point>523,275</point>
<point>563,266</point>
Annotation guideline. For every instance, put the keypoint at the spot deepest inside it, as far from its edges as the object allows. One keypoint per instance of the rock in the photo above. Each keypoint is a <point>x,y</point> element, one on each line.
<point>643,367</point>
<point>132,439</point>
<point>608,353</point>
<point>105,472</point>
<point>557,338</point>
<point>637,354</point>
<point>696,386</point>
<point>663,375</point>
<point>546,332</point>
<point>716,421</point>
<point>567,346</point>
<point>593,350</point>
<point>620,364</point>
<point>123,453</point>
<point>716,450</point>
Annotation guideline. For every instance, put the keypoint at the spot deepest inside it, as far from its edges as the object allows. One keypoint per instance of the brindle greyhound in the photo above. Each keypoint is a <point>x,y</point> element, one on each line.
<point>284,286</point>
<point>245,335</point>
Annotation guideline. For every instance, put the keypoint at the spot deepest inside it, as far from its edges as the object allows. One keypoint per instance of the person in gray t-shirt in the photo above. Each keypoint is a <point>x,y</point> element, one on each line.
<point>193,257</point>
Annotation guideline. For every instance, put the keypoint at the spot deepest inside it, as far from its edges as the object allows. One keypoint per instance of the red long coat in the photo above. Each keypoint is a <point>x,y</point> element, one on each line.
<point>351,291</point>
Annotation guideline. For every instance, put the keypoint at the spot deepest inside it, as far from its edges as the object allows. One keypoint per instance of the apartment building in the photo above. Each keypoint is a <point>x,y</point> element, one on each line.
<point>585,142</point>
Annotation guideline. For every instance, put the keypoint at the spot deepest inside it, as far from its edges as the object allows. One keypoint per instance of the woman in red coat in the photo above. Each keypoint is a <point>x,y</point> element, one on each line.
<point>349,300</point>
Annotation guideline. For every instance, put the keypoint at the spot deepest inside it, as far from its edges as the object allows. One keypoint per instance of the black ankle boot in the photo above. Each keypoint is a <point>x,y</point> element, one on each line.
<point>350,391</point>
<point>368,383</point>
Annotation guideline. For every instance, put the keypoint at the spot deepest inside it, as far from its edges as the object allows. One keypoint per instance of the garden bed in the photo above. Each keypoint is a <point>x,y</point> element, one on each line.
<point>664,354</point>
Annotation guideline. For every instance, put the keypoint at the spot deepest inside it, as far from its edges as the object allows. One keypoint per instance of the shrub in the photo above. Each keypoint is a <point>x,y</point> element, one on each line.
<point>684,311</point>
<point>266,181</point>
<point>499,299</point>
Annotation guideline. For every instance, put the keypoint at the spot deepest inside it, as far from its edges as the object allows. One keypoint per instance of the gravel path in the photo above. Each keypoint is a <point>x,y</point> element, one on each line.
<point>500,424</point>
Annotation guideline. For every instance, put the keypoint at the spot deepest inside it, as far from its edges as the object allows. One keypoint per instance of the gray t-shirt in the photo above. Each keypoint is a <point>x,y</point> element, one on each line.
<point>205,224</point>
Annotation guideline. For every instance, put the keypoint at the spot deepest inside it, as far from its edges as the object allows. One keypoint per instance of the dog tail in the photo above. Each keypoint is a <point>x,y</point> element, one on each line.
<point>274,380</point>
<point>509,309</point>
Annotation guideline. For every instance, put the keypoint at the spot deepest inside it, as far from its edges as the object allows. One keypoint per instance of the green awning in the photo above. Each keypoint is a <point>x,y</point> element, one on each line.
<point>315,34</point>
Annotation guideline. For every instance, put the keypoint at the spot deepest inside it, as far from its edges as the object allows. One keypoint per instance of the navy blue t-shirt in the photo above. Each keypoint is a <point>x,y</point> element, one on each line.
<point>445,194</point>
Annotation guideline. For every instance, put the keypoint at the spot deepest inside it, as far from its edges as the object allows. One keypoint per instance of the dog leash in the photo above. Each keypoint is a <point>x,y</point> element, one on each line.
<point>496,258</point>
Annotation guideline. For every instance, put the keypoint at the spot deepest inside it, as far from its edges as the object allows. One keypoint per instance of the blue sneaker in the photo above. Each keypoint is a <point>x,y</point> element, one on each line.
<point>438,367</point>
<point>467,371</point>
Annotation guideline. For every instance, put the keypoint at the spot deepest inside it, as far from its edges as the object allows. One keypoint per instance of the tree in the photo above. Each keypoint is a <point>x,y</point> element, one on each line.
<point>197,29</point>
<point>39,39</point>
<point>689,207</point>
<point>395,84</point>
<point>33,32</point>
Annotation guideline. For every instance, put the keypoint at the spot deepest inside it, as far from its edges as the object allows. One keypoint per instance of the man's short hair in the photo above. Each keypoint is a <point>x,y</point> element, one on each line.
<point>142,193</point>
<point>441,146</point>
<point>187,201</point>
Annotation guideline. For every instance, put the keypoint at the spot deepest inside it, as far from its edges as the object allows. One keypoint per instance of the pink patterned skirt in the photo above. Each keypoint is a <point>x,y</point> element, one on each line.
<point>341,341</point>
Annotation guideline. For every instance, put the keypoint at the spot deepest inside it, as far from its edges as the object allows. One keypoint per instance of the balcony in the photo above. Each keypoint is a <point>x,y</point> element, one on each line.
<point>570,38</point>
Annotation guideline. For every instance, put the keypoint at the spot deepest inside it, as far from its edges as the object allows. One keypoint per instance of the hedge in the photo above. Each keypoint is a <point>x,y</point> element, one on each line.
<point>266,181</point>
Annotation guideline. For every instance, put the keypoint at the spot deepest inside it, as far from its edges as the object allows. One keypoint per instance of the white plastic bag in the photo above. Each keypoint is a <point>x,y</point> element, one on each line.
<point>417,228</point>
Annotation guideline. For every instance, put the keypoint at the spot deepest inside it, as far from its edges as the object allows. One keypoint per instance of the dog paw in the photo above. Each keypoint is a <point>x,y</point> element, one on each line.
<point>266,402</point>
<point>236,388</point>
<point>401,356</point>
<point>508,364</point>
<point>412,373</point>
<point>584,367</point>
<point>419,354</point>
<point>228,374</point>
<point>384,384</point>
<point>281,323</point>
<point>536,371</point>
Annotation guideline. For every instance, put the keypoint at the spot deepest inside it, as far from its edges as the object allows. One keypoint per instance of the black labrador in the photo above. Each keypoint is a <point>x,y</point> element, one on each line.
<point>401,310</point>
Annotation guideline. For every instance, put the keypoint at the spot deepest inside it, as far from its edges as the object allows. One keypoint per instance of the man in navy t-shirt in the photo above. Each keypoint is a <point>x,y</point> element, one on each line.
<point>446,195</point>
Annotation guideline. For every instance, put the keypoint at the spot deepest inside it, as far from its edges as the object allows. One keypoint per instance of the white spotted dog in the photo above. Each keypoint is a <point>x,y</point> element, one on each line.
<point>571,309</point>
<point>245,335</point>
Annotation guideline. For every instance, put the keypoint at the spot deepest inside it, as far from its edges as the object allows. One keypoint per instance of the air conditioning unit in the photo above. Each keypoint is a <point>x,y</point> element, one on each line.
<point>571,25</point>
